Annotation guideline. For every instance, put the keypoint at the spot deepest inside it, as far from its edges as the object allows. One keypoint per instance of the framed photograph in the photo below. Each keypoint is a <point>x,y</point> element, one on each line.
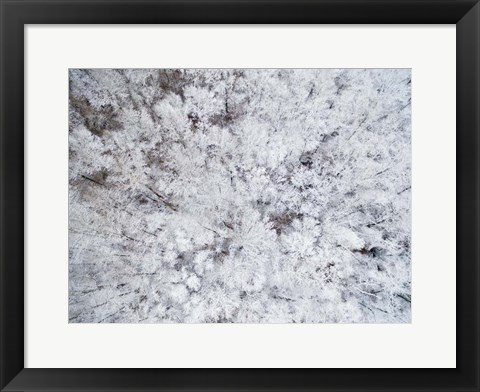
<point>239,195</point>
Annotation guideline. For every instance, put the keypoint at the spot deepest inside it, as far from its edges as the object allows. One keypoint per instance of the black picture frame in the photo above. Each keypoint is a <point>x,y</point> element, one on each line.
<point>15,14</point>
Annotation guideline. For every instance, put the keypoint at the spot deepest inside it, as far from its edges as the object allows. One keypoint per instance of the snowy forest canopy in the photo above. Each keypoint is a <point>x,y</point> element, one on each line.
<point>239,195</point>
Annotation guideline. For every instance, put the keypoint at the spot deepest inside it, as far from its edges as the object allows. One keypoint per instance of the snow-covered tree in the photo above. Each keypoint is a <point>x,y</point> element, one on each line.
<point>278,195</point>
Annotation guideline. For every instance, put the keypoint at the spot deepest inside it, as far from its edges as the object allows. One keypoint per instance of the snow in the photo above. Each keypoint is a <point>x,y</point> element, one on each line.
<point>239,196</point>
